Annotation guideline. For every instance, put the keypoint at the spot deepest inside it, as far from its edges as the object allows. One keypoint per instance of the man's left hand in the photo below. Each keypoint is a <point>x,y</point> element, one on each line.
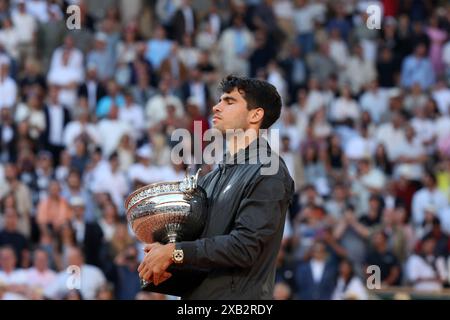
<point>155,263</point>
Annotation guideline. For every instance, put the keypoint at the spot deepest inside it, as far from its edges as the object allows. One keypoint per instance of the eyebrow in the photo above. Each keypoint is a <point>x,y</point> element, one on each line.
<point>227,99</point>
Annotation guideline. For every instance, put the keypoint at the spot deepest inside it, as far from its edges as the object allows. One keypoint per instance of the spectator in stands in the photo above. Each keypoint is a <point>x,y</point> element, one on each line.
<point>417,68</point>
<point>383,258</point>
<point>316,278</point>
<point>92,89</point>
<point>57,116</point>
<point>156,108</point>
<point>21,195</point>
<point>9,38</point>
<point>88,234</point>
<point>53,210</point>
<point>158,48</point>
<point>349,285</point>
<point>8,86</point>
<point>236,44</point>
<point>425,270</point>
<point>67,72</point>
<point>89,277</point>
<point>127,277</point>
<point>27,31</point>
<point>40,276</point>
<point>13,278</point>
<point>428,196</point>
<point>11,236</point>
<point>101,57</point>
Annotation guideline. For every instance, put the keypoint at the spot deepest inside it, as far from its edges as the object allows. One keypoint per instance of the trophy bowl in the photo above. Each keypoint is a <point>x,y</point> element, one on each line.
<point>168,211</point>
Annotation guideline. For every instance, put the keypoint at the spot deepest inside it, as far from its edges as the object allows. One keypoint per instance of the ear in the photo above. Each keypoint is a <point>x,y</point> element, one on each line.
<point>256,116</point>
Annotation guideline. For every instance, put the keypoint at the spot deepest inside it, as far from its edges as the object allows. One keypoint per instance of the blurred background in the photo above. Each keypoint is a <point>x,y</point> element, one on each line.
<point>86,117</point>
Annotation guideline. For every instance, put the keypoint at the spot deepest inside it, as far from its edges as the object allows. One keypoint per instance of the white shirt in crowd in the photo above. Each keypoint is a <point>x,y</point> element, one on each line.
<point>9,39</point>
<point>411,149</point>
<point>56,114</point>
<point>417,267</point>
<point>376,103</point>
<point>314,101</point>
<point>16,277</point>
<point>134,116</point>
<point>354,290</point>
<point>188,19</point>
<point>338,52</point>
<point>442,97</point>
<point>107,229</point>
<point>110,133</point>
<point>359,147</point>
<point>26,26</point>
<point>90,280</point>
<point>304,19</point>
<point>391,137</point>
<point>75,128</point>
<point>114,183</point>
<point>38,9</point>
<point>146,174</point>
<point>424,128</point>
<point>40,280</point>
<point>8,92</point>
<point>442,127</point>
<point>198,92</point>
<point>317,269</point>
<point>422,199</point>
<point>343,109</point>
<point>156,108</point>
<point>66,74</point>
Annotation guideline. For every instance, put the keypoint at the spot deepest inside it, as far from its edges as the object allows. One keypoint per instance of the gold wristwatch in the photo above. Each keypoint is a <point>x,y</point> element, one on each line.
<point>178,256</point>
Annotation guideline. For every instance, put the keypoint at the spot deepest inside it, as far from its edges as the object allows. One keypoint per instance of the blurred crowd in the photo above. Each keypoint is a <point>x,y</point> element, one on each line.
<point>86,117</point>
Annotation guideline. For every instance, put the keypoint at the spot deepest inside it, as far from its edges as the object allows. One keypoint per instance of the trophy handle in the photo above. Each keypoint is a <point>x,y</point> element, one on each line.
<point>191,182</point>
<point>195,179</point>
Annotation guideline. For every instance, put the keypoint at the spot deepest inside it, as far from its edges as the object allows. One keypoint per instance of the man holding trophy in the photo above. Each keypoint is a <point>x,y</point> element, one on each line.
<point>240,208</point>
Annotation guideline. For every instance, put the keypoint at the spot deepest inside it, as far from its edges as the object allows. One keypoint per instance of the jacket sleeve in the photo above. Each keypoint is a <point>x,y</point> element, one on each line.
<point>257,220</point>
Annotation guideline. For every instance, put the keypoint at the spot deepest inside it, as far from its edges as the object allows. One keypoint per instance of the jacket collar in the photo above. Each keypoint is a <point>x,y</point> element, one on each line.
<point>250,155</point>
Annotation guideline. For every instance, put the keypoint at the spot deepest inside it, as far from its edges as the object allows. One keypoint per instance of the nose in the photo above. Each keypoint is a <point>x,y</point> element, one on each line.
<point>216,108</point>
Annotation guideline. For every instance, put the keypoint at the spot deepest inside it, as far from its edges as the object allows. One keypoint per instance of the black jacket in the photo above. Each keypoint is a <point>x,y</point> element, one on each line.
<point>45,135</point>
<point>243,232</point>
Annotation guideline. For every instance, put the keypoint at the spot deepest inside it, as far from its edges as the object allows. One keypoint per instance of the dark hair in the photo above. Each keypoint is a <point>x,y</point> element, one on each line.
<point>352,271</point>
<point>257,94</point>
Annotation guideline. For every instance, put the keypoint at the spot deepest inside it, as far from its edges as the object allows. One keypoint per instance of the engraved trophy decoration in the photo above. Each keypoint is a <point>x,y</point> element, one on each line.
<point>167,211</point>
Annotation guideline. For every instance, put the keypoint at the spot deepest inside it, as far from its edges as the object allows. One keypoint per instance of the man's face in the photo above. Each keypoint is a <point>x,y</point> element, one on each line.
<point>231,112</point>
<point>10,172</point>
<point>73,181</point>
<point>41,260</point>
<point>7,259</point>
<point>54,189</point>
<point>75,258</point>
<point>78,211</point>
<point>10,219</point>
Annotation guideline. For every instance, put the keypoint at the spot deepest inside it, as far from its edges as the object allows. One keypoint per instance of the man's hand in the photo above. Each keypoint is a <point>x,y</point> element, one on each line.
<point>156,261</point>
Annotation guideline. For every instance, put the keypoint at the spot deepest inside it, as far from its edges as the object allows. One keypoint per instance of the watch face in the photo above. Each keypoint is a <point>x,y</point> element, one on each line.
<point>178,255</point>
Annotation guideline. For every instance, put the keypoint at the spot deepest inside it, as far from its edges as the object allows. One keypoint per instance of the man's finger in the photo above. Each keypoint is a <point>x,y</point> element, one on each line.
<point>149,247</point>
<point>147,274</point>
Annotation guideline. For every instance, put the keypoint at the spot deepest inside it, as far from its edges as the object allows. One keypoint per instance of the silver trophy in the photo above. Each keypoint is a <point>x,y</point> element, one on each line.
<point>168,211</point>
